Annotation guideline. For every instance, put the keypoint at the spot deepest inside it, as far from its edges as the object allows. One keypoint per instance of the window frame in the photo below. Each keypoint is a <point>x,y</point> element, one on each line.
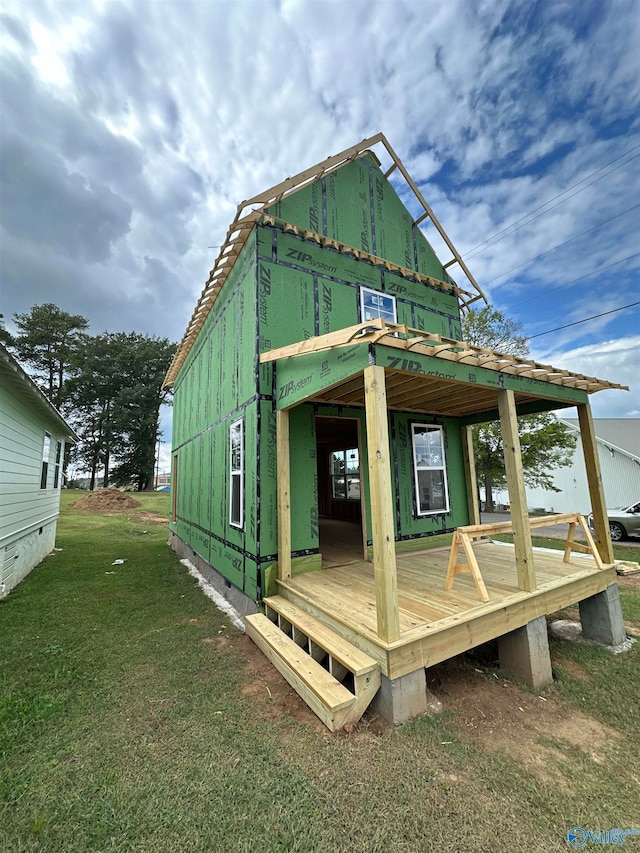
<point>423,467</point>
<point>345,476</point>
<point>174,487</point>
<point>236,475</point>
<point>379,294</point>
<point>46,450</point>
<point>57,480</point>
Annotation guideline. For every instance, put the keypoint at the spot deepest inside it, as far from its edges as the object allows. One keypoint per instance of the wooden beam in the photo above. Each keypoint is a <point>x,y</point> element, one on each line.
<point>594,480</point>
<point>470,474</point>
<point>455,568</point>
<point>284,494</point>
<point>293,183</point>
<point>384,552</point>
<point>517,494</point>
<point>434,219</point>
<point>363,508</point>
<point>348,335</point>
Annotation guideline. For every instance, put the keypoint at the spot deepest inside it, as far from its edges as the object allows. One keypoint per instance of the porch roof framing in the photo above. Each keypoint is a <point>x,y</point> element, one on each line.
<point>250,212</point>
<point>379,331</point>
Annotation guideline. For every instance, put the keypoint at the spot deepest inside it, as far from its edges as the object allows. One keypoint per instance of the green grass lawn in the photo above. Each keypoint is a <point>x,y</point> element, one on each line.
<point>132,719</point>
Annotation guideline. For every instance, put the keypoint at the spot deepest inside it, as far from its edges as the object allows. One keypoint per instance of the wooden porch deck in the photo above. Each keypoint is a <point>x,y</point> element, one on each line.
<point>436,624</point>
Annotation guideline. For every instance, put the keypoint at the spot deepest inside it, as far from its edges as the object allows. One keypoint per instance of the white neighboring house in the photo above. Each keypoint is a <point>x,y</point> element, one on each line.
<point>618,441</point>
<point>33,435</point>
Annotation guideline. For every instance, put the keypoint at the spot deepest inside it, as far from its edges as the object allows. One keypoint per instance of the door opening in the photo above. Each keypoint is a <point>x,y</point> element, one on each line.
<point>340,506</point>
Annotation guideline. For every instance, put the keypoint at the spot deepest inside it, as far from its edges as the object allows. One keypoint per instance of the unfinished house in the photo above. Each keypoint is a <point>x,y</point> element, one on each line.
<point>322,436</point>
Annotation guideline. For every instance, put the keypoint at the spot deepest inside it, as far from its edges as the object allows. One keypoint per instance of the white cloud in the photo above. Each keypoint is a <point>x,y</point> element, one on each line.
<point>179,111</point>
<point>613,360</point>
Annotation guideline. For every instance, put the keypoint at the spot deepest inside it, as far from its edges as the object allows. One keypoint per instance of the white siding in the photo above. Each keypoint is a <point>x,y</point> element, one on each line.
<point>620,478</point>
<point>23,504</point>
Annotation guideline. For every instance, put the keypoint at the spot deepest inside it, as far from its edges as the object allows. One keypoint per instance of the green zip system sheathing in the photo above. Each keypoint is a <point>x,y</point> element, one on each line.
<point>284,288</point>
<point>359,207</point>
<point>216,387</point>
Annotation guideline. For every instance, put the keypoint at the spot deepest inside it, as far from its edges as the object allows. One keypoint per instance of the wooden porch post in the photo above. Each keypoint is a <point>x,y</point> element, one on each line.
<point>384,551</point>
<point>470,475</point>
<point>284,494</point>
<point>594,479</point>
<point>517,494</point>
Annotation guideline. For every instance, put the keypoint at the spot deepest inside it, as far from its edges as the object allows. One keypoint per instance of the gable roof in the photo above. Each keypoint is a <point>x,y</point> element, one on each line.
<point>620,433</point>
<point>15,378</point>
<point>246,219</point>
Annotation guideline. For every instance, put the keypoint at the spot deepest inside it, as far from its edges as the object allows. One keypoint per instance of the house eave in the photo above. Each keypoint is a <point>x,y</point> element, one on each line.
<point>24,385</point>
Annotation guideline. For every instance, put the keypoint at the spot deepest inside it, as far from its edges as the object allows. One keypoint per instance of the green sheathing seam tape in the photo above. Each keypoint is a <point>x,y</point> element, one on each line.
<point>215,387</point>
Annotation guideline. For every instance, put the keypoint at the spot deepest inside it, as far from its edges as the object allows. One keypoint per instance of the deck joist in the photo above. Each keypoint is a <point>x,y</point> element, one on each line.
<point>436,624</point>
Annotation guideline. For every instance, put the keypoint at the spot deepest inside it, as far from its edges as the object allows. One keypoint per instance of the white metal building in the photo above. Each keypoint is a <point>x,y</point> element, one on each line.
<point>619,452</point>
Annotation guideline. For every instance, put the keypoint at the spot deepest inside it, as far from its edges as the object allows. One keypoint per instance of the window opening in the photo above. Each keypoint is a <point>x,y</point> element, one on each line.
<point>56,472</point>
<point>46,449</point>
<point>430,475</point>
<point>345,474</point>
<point>374,304</point>
<point>236,451</point>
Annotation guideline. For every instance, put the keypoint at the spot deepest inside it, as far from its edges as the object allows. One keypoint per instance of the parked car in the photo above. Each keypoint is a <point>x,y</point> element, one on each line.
<point>623,522</point>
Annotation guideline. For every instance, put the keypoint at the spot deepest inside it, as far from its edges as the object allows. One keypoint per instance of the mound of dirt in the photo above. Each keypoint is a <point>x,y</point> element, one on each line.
<point>106,501</point>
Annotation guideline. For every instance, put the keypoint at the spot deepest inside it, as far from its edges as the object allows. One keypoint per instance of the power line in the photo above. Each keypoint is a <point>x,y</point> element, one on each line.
<point>575,280</point>
<point>586,320</point>
<point>564,243</point>
<point>497,236</point>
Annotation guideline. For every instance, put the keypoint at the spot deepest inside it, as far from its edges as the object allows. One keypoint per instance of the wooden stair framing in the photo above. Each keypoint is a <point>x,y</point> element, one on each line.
<point>337,680</point>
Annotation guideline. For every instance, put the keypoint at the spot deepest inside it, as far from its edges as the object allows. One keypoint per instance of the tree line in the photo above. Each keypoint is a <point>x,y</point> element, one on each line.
<point>546,443</point>
<point>108,386</point>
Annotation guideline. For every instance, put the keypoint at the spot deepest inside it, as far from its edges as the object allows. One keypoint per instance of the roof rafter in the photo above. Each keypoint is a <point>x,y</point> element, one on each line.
<point>244,222</point>
<point>435,346</point>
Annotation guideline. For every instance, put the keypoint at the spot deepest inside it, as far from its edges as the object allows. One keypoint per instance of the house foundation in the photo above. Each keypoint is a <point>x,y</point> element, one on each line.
<point>401,699</point>
<point>601,617</point>
<point>239,599</point>
<point>525,653</point>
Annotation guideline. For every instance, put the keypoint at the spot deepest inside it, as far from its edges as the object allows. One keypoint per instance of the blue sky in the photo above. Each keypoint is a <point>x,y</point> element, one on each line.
<point>132,130</point>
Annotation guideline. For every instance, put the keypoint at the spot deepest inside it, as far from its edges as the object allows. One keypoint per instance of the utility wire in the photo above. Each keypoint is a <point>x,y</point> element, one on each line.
<point>499,235</point>
<point>586,320</point>
<point>564,243</point>
<point>575,280</point>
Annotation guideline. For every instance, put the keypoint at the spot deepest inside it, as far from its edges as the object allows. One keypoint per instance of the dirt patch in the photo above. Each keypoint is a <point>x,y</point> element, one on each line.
<point>499,715</point>
<point>106,501</point>
<point>628,581</point>
<point>573,669</point>
<point>150,518</point>
<point>277,699</point>
<point>495,713</point>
